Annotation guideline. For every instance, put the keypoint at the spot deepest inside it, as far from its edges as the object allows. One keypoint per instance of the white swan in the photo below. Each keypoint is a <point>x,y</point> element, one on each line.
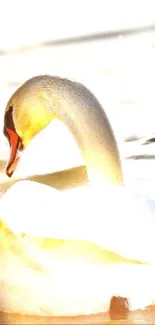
<point>103,214</point>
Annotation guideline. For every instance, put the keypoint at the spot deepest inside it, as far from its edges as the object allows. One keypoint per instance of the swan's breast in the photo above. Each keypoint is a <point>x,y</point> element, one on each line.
<point>53,149</point>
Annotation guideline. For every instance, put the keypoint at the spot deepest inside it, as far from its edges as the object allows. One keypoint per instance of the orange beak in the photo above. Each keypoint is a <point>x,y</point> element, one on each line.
<point>16,146</point>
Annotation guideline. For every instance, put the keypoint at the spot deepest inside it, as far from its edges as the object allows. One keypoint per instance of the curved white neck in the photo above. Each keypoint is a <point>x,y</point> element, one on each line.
<point>78,108</point>
<point>81,112</point>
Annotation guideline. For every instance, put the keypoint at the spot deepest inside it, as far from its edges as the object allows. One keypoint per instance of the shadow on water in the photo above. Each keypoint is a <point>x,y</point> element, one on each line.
<point>83,39</point>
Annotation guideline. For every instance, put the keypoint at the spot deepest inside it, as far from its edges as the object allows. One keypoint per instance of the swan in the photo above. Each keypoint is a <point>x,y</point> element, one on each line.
<point>103,213</point>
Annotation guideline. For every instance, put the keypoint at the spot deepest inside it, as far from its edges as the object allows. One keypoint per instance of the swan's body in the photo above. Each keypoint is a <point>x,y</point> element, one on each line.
<point>40,282</point>
<point>103,214</point>
<point>74,278</point>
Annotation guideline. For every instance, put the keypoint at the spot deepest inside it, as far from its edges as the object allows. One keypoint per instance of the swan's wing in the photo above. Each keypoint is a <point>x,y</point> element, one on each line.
<point>62,180</point>
<point>50,286</point>
<point>114,217</point>
<point>51,291</point>
<point>39,285</point>
<point>117,219</point>
<point>27,206</point>
<point>129,224</point>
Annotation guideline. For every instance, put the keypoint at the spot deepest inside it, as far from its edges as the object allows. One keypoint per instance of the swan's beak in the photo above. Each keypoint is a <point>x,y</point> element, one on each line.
<point>16,146</point>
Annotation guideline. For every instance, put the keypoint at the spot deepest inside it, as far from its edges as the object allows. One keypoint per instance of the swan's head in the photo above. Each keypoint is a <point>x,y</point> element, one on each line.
<point>26,114</point>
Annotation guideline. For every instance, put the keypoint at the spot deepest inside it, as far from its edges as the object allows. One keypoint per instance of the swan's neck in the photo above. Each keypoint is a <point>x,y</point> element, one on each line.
<point>87,121</point>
